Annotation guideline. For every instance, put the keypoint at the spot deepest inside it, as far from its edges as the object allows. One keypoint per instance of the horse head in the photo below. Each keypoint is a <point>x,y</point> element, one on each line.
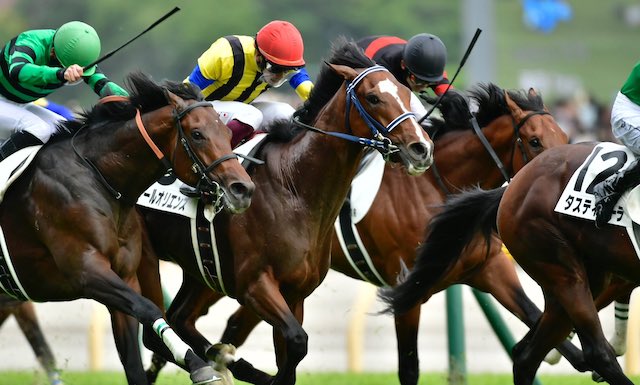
<point>535,128</point>
<point>382,111</point>
<point>206,158</point>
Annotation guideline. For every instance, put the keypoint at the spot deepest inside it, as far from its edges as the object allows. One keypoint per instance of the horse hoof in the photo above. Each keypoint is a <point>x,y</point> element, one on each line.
<point>205,375</point>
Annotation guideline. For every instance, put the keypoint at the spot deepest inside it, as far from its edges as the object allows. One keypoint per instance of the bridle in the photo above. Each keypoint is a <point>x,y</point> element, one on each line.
<point>197,166</point>
<point>380,142</point>
<point>517,142</point>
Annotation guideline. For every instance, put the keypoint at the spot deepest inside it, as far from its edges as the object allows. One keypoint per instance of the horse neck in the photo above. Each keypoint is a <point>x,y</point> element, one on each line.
<point>463,161</point>
<point>125,159</point>
<point>322,167</point>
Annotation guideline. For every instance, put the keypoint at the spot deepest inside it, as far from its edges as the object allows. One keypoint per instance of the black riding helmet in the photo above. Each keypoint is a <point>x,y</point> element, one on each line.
<point>425,56</point>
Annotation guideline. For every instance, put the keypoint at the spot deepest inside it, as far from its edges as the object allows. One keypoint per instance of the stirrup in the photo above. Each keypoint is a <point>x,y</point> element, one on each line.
<point>189,191</point>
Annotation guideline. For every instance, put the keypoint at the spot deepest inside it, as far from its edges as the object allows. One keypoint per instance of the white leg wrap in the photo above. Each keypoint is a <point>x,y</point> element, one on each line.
<point>170,338</point>
<point>619,339</point>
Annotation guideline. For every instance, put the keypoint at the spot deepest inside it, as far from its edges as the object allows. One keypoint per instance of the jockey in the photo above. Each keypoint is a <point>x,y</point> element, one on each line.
<point>417,64</point>
<point>625,124</point>
<point>36,63</point>
<point>235,70</point>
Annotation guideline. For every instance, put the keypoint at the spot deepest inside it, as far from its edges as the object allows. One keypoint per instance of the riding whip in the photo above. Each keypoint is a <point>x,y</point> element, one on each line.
<point>160,20</point>
<point>464,59</point>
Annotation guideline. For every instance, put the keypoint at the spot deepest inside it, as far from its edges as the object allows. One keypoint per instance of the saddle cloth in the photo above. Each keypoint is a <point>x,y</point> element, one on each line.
<point>364,188</point>
<point>165,196</point>
<point>577,199</point>
<point>10,169</point>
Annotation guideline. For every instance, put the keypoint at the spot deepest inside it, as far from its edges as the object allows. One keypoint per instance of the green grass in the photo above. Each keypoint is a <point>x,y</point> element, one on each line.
<point>117,378</point>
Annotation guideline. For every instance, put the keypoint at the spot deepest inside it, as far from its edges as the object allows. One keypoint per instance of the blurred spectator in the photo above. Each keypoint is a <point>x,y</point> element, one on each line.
<point>544,15</point>
<point>583,118</point>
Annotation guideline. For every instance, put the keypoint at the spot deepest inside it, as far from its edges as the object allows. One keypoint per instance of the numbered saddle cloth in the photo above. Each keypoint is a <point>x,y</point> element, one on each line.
<point>577,199</point>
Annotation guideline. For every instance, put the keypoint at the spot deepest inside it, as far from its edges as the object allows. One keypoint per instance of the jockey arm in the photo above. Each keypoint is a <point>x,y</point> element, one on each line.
<point>301,83</point>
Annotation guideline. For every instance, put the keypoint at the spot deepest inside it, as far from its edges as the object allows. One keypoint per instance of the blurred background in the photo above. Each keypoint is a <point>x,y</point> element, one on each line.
<point>576,52</point>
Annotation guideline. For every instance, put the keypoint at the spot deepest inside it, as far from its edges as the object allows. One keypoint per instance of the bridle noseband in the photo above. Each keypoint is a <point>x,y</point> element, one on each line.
<point>197,166</point>
<point>380,142</point>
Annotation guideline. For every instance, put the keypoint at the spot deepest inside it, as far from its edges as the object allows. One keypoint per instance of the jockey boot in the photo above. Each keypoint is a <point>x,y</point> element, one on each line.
<point>608,192</point>
<point>17,141</point>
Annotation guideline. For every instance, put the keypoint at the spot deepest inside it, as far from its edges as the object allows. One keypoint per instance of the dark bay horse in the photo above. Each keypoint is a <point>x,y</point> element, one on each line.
<point>518,128</point>
<point>276,253</point>
<point>70,222</point>
<point>567,256</point>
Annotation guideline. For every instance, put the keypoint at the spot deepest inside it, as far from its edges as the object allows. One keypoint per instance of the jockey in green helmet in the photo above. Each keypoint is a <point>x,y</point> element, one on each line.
<point>33,65</point>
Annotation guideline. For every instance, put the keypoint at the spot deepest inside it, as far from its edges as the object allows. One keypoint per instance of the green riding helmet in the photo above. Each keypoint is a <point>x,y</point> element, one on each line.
<point>77,43</point>
<point>425,56</point>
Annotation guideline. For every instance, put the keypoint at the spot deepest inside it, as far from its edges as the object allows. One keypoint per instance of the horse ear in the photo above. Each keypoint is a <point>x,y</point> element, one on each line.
<point>174,99</point>
<point>346,72</point>
<point>532,93</point>
<point>516,111</point>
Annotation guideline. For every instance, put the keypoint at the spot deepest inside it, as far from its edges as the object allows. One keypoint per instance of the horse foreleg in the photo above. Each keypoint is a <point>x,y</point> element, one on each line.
<point>27,319</point>
<point>239,326</point>
<point>104,286</point>
<point>290,340</point>
<point>125,333</point>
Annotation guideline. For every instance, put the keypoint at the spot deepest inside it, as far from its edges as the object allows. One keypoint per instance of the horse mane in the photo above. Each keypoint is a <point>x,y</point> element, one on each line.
<point>144,95</point>
<point>491,104</point>
<point>343,52</point>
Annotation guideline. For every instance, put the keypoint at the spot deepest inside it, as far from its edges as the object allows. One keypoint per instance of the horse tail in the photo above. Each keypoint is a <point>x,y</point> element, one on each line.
<point>464,215</point>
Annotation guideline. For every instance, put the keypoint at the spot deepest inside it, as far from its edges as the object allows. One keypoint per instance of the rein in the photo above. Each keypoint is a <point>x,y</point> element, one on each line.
<point>197,166</point>
<point>380,142</point>
<point>491,151</point>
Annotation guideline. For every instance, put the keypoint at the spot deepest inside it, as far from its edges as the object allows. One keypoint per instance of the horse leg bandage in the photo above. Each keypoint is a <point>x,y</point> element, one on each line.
<point>170,338</point>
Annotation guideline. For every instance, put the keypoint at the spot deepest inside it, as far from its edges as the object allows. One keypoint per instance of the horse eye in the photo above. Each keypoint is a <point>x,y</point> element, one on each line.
<point>196,135</point>
<point>535,143</point>
<point>373,99</point>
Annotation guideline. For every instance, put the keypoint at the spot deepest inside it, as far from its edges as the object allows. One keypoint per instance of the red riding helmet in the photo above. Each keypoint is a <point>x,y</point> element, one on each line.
<point>280,43</point>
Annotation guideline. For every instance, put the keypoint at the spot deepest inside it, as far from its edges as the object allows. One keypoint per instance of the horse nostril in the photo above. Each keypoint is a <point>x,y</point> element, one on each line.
<point>241,189</point>
<point>419,150</point>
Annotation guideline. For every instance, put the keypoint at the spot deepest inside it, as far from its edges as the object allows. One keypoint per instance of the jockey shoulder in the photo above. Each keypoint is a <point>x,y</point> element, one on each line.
<point>37,62</point>
<point>240,68</point>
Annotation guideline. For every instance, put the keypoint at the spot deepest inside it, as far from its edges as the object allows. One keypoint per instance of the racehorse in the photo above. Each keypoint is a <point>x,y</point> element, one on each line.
<point>545,218</point>
<point>518,128</point>
<point>70,222</point>
<point>26,318</point>
<point>275,254</point>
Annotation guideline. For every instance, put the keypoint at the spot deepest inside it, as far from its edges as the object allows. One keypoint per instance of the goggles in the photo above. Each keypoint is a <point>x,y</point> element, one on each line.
<point>419,82</point>
<point>277,69</point>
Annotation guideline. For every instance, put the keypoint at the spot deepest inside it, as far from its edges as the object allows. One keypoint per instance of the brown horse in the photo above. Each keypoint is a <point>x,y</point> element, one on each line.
<point>545,218</point>
<point>518,128</point>
<point>70,222</point>
<point>275,254</point>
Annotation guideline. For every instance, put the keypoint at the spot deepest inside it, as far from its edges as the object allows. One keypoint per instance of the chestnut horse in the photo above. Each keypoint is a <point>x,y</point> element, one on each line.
<point>518,128</point>
<point>69,219</point>
<point>545,218</point>
<point>275,254</point>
